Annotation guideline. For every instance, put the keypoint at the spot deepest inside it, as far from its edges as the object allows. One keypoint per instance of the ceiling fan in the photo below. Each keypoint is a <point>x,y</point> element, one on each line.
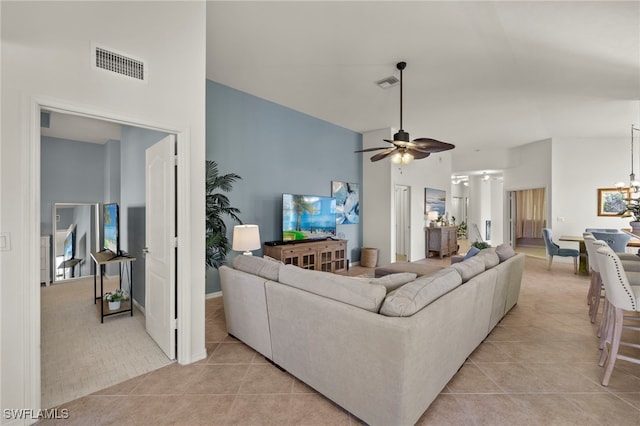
<point>404,150</point>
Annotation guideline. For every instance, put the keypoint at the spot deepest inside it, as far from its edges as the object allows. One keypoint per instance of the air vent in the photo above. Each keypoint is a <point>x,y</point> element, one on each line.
<point>387,82</point>
<point>119,64</point>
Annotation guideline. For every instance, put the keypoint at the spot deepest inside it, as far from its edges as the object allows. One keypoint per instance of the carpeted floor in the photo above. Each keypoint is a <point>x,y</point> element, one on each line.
<point>79,354</point>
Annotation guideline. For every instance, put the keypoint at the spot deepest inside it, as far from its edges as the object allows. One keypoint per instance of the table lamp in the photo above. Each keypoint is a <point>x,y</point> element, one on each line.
<point>433,216</point>
<point>246,238</point>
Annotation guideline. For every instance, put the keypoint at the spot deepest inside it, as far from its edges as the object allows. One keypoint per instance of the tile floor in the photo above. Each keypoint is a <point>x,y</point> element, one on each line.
<point>537,367</point>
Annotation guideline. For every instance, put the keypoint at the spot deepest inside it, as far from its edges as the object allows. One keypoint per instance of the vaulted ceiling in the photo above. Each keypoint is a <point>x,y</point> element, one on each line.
<point>481,75</point>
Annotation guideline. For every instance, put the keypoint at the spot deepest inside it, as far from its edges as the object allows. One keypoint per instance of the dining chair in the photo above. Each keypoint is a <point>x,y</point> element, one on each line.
<point>554,250</point>
<point>621,296</point>
<point>595,286</point>
<point>616,240</point>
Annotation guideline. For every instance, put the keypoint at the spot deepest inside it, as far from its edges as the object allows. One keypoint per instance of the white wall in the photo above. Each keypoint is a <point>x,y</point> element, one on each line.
<point>379,180</point>
<point>377,193</point>
<point>580,167</point>
<point>431,172</point>
<point>46,54</point>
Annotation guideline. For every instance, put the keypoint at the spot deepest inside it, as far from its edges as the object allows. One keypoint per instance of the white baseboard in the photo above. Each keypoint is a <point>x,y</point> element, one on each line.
<point>213,295</point>
<point>140,308</point>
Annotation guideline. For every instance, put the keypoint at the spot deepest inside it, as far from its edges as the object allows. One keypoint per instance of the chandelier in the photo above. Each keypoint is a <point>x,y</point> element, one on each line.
<point>634,185</point>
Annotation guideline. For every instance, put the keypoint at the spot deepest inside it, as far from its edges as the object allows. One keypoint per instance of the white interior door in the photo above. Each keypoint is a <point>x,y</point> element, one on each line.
<point>403,222</point>
<point>160,260</point>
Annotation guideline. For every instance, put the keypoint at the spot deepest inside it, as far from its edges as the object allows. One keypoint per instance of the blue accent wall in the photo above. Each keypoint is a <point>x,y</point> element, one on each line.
<point>276,150</point>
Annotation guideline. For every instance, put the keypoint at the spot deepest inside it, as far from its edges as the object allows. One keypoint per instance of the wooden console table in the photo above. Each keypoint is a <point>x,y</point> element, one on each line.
<point>441,240</point>
<point>324,255</point>
<point>101,259</point>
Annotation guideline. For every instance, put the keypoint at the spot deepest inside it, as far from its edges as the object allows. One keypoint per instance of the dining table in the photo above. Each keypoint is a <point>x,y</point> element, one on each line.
<point>583,266</point>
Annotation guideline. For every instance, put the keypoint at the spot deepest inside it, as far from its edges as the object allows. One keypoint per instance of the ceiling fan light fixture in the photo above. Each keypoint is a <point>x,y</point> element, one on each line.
<point>407,158</point>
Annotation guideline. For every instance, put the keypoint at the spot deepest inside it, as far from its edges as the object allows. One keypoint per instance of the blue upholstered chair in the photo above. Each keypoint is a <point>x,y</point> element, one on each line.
<point>554,250</point>
<point>616,240</point>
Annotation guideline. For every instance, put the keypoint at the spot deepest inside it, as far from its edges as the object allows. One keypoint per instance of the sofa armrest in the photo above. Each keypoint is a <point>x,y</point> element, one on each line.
<point>245,309</point>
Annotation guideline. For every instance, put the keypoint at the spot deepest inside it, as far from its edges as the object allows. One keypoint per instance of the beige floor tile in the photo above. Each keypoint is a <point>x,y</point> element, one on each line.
<point>231,353</point>
<point>264,379</point>
<point>218,379</point>
<point>172,380</point>
<point>470,379</point>
<point>494,410</point>
<point>606,408</point>
<point>314,409</point>
<point>260,410</point>
<point>445,411</point>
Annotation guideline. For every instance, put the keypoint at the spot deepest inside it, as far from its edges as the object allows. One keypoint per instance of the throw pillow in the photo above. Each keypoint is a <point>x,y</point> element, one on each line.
<point>472,252</point>
<point>504,252</point>
<point>393,281</point>
<point>469,268</point>
<point>489,257</point>
<point>337,287</point>
<point>413,296</point>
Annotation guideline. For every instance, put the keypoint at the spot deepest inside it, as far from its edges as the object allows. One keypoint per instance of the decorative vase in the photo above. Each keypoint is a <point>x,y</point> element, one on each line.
<point>114,306</point>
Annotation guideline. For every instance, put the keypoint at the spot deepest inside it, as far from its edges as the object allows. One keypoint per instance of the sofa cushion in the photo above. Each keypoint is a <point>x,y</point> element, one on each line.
<point>337,287</point>
<point>259,266</point>
<point>473,250</point>
<point>504,252</point>
<point>489,257</point>
<point>469,268</point>
<point>412,297</point>
<point>393,281</point>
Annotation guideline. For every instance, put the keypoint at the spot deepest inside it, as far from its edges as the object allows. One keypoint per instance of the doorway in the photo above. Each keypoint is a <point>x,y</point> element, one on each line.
<point>527,217</point>
<point>183,352</point>
<point>403,223</point>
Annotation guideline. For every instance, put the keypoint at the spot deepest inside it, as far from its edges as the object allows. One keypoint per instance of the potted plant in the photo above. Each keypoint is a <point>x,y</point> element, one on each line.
<point>632,209</point>
<point>218,207</point>
<point>115,297</point>
<point>480,245</point>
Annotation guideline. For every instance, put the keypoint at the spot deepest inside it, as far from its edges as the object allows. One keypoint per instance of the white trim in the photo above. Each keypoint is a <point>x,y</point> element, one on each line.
<point>31,226</point>
<point>213,295</point>
<point>139,306</point>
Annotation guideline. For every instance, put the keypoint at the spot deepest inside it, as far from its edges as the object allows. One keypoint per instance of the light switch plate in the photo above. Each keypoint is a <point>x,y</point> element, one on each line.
<point>5,241</point>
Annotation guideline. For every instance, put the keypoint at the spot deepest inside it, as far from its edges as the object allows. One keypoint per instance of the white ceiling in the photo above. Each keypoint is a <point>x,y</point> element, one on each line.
<point>83,129</point>
<point>480,75</point>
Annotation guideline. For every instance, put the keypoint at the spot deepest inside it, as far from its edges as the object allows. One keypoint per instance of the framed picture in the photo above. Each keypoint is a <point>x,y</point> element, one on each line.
<point>347,197</point>
<point>434,200</point>
<point>611,201</point>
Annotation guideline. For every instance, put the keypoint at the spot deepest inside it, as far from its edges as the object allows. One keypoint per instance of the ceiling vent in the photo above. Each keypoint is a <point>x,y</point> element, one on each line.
<point>387,82</point>
<point>120,64</point>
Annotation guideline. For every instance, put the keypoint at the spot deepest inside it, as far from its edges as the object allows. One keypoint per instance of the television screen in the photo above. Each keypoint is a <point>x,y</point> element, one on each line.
<point>307,217</point>
<point>110,227</point>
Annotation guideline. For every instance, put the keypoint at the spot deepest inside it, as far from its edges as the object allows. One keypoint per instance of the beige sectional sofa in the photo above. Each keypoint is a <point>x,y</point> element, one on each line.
<point>383,348</point>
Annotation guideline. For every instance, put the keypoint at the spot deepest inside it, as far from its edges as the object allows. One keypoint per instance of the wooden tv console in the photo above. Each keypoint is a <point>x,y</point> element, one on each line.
<point>324,255</point>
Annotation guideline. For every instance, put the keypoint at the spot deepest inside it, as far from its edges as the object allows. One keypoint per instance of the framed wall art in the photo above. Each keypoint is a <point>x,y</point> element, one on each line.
<point>347,197</point>
<point>611,201</point>
<point>435,200</point>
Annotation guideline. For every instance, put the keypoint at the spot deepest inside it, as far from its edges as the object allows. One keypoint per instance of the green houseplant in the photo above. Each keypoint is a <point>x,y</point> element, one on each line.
<point>632,209</point>
<point>480,245</point>
<point>218,208</point>
<point>115,297</point>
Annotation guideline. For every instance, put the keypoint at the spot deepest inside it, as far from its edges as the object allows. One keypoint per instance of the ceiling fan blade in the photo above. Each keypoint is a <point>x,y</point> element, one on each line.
<point>372,149</point>
<point>431,145</point>
<point>382,155</point>
<point>390,141</point>
<point>418,154</point>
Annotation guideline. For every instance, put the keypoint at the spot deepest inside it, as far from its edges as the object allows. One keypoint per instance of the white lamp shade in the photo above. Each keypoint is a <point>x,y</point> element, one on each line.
<point>432,215</point>
<point>246,238</point>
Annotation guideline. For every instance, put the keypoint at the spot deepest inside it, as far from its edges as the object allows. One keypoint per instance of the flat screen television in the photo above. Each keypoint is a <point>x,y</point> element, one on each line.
<point>111,228</point>
<point>70,243</point>
<point>308,217</point>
